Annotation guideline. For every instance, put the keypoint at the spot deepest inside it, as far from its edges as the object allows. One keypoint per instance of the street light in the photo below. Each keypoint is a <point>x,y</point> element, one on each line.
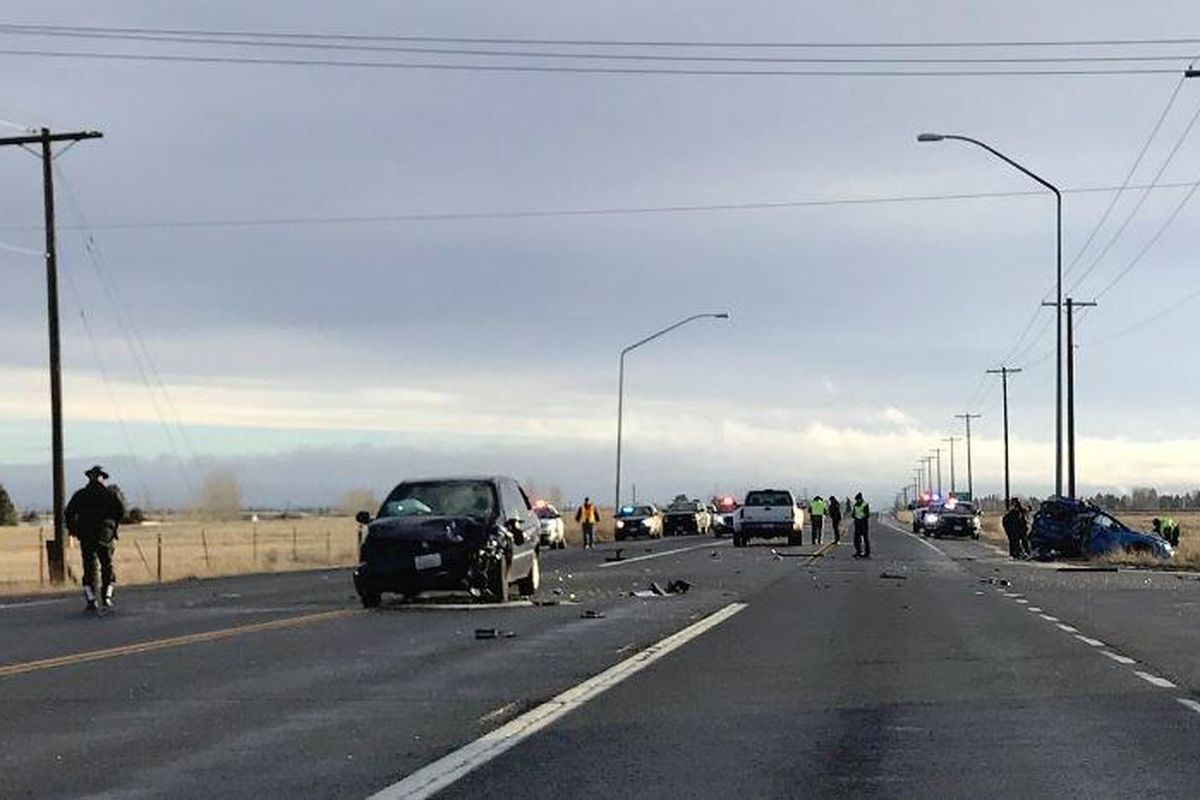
<point>1058,302</point>
<point>621,386</point>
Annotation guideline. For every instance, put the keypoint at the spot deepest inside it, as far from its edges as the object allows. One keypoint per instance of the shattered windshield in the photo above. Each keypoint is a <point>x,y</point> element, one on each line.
<point>442,499</point>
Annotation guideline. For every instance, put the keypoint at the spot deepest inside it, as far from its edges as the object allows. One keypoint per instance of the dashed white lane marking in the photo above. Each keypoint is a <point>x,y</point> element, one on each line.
<point>1189,703</point>
<point>664,553</point>
<point>434,777</point>
<point>1148,677</point>
<point>1161,683</point>
<point>1117,657</point>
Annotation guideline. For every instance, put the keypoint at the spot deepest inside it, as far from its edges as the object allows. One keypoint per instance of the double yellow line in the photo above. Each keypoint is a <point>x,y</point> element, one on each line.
<point>171,642</point>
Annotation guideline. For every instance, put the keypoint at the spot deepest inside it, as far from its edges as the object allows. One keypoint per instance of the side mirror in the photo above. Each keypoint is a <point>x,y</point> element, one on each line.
<point>517,531</point>
<point>362,517</point>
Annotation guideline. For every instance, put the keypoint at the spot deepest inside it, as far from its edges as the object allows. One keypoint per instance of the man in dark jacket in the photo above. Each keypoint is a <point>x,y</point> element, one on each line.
<point>835,518</point>
<point>92,517</point>
<point>1016,528</point>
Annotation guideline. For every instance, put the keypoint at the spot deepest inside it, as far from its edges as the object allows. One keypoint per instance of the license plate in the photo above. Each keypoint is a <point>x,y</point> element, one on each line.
<point>428,561</point>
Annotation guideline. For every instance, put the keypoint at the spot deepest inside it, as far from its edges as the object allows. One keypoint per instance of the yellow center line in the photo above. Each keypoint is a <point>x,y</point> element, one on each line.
<point>170,642</point>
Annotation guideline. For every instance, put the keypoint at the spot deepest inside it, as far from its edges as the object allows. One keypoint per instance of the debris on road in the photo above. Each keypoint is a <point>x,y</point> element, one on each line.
<point>592,614</point>
<point>616,556</point>
<point>1087,569</point>
<point>656,589</point>
<point>494,633</point>
<point>892,577</point>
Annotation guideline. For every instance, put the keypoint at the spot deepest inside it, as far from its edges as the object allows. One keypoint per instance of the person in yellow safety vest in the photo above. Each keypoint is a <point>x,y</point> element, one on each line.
<point>861,513</point>
<point>1169,531</point>
<point>587,516</point>
<point>816,510</point>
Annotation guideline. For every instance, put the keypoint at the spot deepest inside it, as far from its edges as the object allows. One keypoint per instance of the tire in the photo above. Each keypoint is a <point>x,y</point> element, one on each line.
<point>498,587</point>
<point>528,585</point>
<point>371,599</point>
<point>795,540</point>
<point>738,541</point>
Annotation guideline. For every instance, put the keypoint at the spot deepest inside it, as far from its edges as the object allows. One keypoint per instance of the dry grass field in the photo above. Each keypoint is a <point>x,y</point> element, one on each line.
<point>189,549</point>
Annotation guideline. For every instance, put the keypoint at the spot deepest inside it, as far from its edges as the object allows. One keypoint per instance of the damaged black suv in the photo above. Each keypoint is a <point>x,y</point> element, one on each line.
<point>477,534</point>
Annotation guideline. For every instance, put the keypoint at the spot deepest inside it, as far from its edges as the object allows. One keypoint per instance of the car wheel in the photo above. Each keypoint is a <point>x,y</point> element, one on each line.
<point>530,583</point>
<point>371,599</point>
<point>498,584</point>
<point>737,540</point>
<point>794,540</point>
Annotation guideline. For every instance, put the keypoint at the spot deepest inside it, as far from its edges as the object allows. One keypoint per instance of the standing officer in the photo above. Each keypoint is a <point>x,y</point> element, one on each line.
<point>587,516</point>
<point>816,510</point>
<point>861,513</point>
<point>92,517</point>
<point>835,518</point>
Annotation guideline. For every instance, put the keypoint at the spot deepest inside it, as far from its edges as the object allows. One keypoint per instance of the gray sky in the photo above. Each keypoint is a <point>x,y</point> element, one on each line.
<point>316,357</point>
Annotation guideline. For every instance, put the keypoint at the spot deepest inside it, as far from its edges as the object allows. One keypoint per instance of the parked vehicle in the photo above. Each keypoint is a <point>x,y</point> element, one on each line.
<point>724,508</point>
<point>552,532</point>
<point>477,534</point>
<point>766,514</point>
<point>952,518</point>
<point>686,516</point>
<point>1070,528</point>
<point>638,521</point>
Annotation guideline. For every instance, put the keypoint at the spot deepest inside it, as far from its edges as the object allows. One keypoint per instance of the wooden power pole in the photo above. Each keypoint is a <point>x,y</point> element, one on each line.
<point>45,139</point>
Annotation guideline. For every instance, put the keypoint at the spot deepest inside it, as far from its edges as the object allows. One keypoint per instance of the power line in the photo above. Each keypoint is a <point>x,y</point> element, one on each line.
<point>604,42</point>
<point>1148,320</point>
<point>455,216</point>
<point>1137,162</point>
<point>1183,201</point>
<point>327,46</point>
<point>1141,200</point>
<point>593,70</point>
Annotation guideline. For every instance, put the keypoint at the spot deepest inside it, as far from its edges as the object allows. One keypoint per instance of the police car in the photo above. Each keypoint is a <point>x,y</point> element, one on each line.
<point>551,531</point>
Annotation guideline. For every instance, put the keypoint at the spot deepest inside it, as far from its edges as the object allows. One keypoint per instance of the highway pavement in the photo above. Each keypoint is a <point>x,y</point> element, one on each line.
<point>936,669</point>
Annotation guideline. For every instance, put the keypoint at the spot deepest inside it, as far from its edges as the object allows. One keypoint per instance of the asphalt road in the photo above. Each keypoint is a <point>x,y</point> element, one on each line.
<point>933,670</point>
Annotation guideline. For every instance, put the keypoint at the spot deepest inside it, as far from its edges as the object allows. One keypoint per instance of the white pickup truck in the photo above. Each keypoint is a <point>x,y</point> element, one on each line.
<point>768,513</point>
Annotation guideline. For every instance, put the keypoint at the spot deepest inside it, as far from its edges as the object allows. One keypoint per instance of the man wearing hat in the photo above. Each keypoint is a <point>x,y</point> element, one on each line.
<point>92,517</point>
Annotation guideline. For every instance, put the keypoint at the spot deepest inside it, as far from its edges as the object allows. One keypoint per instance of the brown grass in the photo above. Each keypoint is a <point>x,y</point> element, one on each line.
<point>190,549</point>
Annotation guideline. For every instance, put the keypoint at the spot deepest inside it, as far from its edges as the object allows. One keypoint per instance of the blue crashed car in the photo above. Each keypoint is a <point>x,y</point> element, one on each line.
<point>1070,528</point>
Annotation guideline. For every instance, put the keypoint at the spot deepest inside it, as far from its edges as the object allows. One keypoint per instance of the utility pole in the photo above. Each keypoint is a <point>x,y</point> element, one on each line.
<point>967,417</point>
<point>927,464</point>
<point>952,440</point>
<point>1004,372</point>
<point>1072,304</point>
<point>937,451</point>
<point>44,139</point>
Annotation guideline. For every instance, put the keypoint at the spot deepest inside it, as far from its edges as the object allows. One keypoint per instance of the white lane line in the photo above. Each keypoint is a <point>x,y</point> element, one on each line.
<point>1089,640</point>
<point>1190,703</point>
<point>1067,628</point>
<point>29,603</point>
<point>434,777</point>
<point>1161,683</point>
<point>901,529</point>
<point>1117,657</point>
<point>1048,618</point>
<point>1034,609</point>
<point>722,543</point>
<point>1021,600</point>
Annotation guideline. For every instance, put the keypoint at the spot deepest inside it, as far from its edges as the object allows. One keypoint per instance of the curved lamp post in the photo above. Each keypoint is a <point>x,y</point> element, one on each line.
<point>1058,303</point>
<point>621,386</point>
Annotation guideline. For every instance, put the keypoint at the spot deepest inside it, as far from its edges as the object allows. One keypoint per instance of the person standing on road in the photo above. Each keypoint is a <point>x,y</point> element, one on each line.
<point>1016,528</point>
<point>587,516</point>
<point>92,517</point>
<point>860,512</point>
<point>835,518</point>
<point>816,510</point>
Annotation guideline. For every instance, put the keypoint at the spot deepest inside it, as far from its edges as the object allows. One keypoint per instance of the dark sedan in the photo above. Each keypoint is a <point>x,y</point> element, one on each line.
<point>638,521</point>
<point>948,519</point>
<point>474,534</point>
